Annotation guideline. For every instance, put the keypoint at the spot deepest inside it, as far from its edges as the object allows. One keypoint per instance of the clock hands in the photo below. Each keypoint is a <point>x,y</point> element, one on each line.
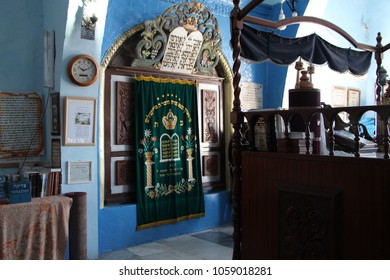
<point>83,68</point>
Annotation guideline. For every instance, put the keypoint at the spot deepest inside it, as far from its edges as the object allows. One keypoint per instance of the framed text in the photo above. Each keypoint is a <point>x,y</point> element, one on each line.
<point>79,172</point>
<point>80,118</point>
<point>55,113</point>
<point>55,153</point>
<point>20,125</point>
<point>353,97</point>
<point>339,96</point>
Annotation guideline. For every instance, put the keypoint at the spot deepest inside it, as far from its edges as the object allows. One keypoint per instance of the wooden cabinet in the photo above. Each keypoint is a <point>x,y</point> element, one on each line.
<point>314,207</point>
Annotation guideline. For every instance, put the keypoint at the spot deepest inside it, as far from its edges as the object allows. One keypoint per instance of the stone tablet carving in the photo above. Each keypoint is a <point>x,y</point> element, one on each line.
<point>182,51</point>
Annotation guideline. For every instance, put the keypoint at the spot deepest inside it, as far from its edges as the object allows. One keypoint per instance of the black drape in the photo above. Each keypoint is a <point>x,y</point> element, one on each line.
<point>260,46</point>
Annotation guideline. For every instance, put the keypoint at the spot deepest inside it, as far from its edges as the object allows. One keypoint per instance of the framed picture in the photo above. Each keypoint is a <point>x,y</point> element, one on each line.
<point>55,113</point>
<point>339,96</point>
<point>353,97</point>
<point>55,153</point>
<point>80,119</point>
<point>79,172</point>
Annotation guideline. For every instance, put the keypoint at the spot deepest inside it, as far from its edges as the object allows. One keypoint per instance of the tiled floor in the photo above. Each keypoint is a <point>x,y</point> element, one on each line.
<point>213,244</point>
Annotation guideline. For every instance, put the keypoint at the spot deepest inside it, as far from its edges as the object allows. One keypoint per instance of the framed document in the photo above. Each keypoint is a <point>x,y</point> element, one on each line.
<point>339,96</point>
<point>55,153</point>
<point>55,113</point>
<point>339,99</point>
<point>80,118</point>
<point>79,172</point>
<point>21,127</point>
<point>353,97</point>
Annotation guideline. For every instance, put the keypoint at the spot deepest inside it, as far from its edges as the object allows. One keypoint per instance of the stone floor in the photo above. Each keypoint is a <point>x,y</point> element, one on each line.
<point>213,244</point>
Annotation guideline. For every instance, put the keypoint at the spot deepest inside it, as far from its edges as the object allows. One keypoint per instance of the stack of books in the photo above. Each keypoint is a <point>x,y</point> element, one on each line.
<point>32,182</point>
<point>294,143</point>
<point>45,181</point>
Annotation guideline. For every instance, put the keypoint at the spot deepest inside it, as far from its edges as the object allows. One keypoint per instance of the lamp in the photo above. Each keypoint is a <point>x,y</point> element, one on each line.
<point>89,20</point>
<point>281,15</point>
<point>89,16</point>
<point>292,7</point>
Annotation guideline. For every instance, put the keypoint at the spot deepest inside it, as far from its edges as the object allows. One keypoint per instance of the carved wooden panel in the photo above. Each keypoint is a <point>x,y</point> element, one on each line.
<point>209,116</point>
<point>364,183</point>
<point>309,223</point>
<point>124,111</point>
<point>124,172</point>
<point>210,165</point>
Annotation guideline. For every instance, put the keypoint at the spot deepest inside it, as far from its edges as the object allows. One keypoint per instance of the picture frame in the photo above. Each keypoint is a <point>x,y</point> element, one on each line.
<point>353,97</point>
<point>79,172</point>
<point>55,113</point>
<point>339,96</point>
<point>56,153</point>
<point>80,121</point>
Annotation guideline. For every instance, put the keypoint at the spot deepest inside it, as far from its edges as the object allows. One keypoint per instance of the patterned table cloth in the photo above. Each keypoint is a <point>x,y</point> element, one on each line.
<point>36,230</point>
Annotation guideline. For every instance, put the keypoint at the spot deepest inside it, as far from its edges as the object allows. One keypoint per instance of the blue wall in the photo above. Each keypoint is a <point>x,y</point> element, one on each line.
<point>117,223</point>
<point>21,22</point>
<point>21,53</point>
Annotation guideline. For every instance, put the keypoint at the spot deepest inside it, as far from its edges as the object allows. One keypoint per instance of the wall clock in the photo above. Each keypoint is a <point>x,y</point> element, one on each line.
<point>83,70</point>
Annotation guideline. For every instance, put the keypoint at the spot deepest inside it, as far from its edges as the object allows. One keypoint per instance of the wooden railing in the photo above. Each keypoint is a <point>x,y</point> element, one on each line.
<point>309,115</point>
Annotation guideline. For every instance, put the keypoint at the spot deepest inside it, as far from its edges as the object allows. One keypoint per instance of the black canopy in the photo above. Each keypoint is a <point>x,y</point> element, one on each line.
<point>260,46</point>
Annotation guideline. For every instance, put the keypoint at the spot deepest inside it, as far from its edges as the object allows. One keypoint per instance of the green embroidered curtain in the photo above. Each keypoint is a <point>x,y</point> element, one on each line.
<point>169,187</point>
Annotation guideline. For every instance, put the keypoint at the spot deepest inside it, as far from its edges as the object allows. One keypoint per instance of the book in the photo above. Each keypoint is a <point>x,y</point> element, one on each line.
<point>18,191</point>
<point>56,183</point>
<point>295,143</point>
<point>45,181</point>
<point>3,193</point>
<point>44,185</point>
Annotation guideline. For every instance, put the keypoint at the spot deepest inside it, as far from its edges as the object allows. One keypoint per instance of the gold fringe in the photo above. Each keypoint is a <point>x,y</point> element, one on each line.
<point>171,221</point>
<point>165,80</point>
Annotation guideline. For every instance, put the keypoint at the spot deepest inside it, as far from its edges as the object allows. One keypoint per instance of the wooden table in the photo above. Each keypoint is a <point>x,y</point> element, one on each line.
<point>37,230</point>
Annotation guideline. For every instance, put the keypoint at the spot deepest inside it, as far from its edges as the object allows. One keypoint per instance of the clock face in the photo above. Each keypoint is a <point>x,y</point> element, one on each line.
<point>83,70</point>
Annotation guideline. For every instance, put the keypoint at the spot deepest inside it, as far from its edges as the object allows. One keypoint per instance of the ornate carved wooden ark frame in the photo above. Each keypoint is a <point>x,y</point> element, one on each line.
<point>141,51</point>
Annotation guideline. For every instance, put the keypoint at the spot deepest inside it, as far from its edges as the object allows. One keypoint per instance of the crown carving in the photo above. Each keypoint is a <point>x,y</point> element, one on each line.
<point>169,121</point>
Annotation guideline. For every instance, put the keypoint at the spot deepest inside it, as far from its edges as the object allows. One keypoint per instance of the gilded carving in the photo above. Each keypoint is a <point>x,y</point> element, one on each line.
<point>192,16</point>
